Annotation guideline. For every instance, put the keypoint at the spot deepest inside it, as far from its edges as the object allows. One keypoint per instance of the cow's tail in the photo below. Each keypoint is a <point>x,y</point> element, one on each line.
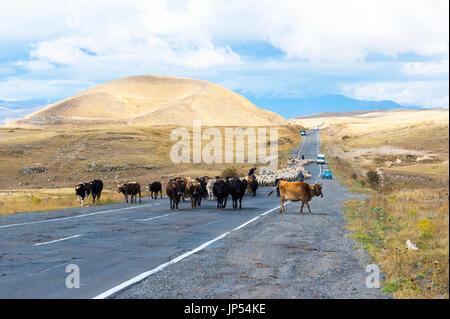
<point>276,186</point>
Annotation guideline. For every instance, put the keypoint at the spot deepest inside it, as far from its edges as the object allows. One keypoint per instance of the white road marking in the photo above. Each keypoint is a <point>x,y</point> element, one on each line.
<point>301,147</point>
<point>54,241</point>
<point>73,217</point>
<point>317,135</point>
<point>148,273</point>
<point>151,218</point>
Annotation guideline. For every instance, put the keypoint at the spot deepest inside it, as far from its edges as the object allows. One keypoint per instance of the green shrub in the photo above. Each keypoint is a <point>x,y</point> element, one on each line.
<point>427,228</point>
<point>231,172</point>
<point>34,199</point>
<point>412,212</point>
<point>373,177</point>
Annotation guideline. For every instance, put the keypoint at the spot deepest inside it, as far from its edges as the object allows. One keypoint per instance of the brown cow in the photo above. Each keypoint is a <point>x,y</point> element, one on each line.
<point>132,189</point>
<point>252,185</point>
<point>174,191</point>
<point>193,190</point>
<point>297,191</point>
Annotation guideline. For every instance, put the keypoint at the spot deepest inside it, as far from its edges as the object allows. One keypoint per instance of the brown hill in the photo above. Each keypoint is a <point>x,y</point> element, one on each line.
<point>154,100</point>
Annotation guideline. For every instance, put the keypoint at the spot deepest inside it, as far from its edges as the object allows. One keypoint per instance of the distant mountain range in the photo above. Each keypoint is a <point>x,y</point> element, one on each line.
<point>17,109</point>
<point>286,107</point>
<point>289,108</point>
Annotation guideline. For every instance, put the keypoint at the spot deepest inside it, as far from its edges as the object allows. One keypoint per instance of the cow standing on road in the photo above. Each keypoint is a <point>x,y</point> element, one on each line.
<point>221,191</point>
<point>182,181</point>
<point>203,183</point>
<point>174,191</point>
<point>277,187</point>
<point>237,191</point>
<point>252,185</point>
<point>133,189</point>
<point>209,188</point>
<point>155,188</point>
<point>194,192</point>
<point>297,191</point>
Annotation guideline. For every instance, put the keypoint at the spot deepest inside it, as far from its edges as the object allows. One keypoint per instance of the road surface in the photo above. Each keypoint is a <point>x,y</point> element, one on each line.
<point>149,251</point>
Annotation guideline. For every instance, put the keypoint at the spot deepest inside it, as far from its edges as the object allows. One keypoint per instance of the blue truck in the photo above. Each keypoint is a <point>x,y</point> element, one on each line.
<point>302,132</point>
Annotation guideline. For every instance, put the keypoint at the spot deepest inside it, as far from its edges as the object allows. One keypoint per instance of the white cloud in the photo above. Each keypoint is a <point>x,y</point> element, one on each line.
<point>330,30</point>
<point>431,94</point>
<point>88,41</point>
<point>426,68</point>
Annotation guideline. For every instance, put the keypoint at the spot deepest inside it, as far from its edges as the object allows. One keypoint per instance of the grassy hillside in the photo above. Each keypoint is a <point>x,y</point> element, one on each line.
<point>408,201</point>
<point>38,159</point>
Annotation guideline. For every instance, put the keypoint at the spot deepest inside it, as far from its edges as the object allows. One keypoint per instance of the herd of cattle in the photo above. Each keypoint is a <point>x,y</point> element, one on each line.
<point>204,187</point>
<point>284,181</point>
<point>178,189</point>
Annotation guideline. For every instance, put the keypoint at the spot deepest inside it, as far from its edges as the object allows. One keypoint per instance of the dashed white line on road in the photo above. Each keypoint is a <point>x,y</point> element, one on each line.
<point>57,240</point>
<point>151,218</point>
<point>301,147</point>
<point>148,273</point>
<point>76,216</point>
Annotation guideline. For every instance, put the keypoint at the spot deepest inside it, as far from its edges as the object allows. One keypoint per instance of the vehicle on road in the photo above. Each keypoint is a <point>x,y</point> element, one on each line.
<point>320,159</point>
<point>302,132</point>
<point>327,173</point>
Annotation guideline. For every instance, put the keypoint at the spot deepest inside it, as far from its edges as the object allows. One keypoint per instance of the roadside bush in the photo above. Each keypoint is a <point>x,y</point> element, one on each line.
<point>373,177</point>
<point>34,199</point>
<point>231,172</point>
<point>426,227</point>
<point>354,176</point>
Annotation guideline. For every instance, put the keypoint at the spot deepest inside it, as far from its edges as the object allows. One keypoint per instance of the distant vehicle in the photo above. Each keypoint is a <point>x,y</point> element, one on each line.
<point>320,159</point>
<point>327,173</point>
<point>302,132</point>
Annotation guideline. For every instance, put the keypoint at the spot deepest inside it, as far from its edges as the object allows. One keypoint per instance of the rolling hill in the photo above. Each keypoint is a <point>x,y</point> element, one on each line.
<point>151,101</point>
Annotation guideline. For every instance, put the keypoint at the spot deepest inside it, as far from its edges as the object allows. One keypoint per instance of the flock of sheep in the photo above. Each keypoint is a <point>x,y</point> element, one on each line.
<point>288,172</point>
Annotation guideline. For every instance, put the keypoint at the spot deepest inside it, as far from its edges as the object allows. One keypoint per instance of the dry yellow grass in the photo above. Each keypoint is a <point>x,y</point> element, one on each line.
<point>383,224</point>
<point>33,200</point>
<point>410,148</point>
<point>115,154</point>
<point>375,122</point>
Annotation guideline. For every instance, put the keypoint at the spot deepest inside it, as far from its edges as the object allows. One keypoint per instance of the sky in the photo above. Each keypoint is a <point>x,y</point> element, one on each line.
<point>274,53</point>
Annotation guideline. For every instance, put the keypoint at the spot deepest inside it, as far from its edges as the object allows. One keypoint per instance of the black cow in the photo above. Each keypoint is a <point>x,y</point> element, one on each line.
<point>182,181</point>
<point>237,191</point>
<point>154,189</point>
<point>132,189</point>
<point>221,191</point>
<point>203,182</point>
<point>277,180</point>
<point>96,187</point>
<point>82,190</point>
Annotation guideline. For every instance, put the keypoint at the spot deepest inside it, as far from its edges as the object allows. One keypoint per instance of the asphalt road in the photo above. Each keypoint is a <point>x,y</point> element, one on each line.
<point>149,251</point>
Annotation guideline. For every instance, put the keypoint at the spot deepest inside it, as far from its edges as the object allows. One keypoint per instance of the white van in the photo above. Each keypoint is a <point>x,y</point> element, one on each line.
<point>320,159</point>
